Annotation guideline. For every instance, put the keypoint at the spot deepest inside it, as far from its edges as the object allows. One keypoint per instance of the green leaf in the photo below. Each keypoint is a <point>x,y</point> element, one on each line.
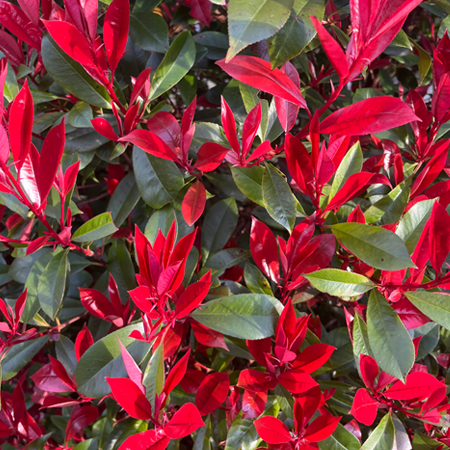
<point>389,209</point>
<point>121,267</point>
<point>176,64</point>
<point>89,444</point>
<point>378,247</point>
<point>350,164</point>
<point>424,61</point>
<point>153,379</point>
<point>80,115</point>
<point>435,305</point>
<point>103,359</point>
<point>21,267</point>
<point>249,182</point>
<point>255,280</point>
<point>401,40</point>
<point>20,355</point>
<point>65,353</point>
<point>96,228</point>
<point>158,180</point>
<point>389,340</point>
<point>149,31</point>
<point>39,443</point>
<point>361,344</point>
<point>52,283</point>
<point>413,222</point>
<point>245,316</point>
<point>218,226</point>
<point>382,438</point>
<point>250,22</point>
<point>124,199</point>
<point>340,283</point>
<point>278,198</point>
<point>203,436</point>
<point>297,32</point>
<point>32,305</point>
<point>242,430</point>
<point>225,259</point>
<point>71,75</point>
<point>341,439</point>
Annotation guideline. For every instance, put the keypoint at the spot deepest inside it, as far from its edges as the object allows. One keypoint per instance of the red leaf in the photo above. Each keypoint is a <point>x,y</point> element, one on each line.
<point>47,380</point>
<point>16,21</point>
<point>263,149</point>
<point>194,203</point>
<point>201,10</point>
<point>193,296</point>
<point>313,357</point>
<point>369,116</point>
<point>253,404</point>
<point>150,143</point>
<point>147,440</point>
<point>184,422</point>
<point>164,125</point>
<point>11,49</point>
<point>250,128</point>
<point>133,370</point>
<point>355,184</point>
<point>356,216</point>
<point>258,73</point>
<point>264,249</point>
<point>212,392</point>
<point>208,337</point>
<point>299,164</point>
<point>369,370</point>
<point>439,236</point>
<point>31,9</point>
<point>4,145</point>
<point>229,126</point>
<point>103,127</point>
<point>192,380</point>
<point>272,430</point>
<point>80,418</point>
<point>441,99</point>
<point>21,117</point>
<point>115,31</point>
<point>210,156</point>
<point>296,381</point>
<point>287,112</point>
<point>364,407</point>
<point>95,302</point>
<point>176,374</point>
<point>433,168</point>
<point>71,41</point>
<point>70,177</point>
<point>128,395</point>
<point>51,154</point>
<point>419,385</point>
<point>321,428</point>
<point>83,341</point>
<point>332,49</point>
<point>256,381</point>
<point>141,88</point>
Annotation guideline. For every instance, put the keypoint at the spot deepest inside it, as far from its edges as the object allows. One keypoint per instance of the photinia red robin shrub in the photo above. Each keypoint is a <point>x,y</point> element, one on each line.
<point>224,224</point>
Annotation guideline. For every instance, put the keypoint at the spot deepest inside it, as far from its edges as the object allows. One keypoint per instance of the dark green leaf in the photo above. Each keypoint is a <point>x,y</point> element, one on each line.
<point>341,439</point>
<point>71,75</point>
<point>389,340</point>
<point>153,379</point>
<point>250,22</point>
<point>124,199</point>
<point>96,228</point>
<point>249,181</point>
<point>351,163</point>
<point>256,281</point>
<point>52,283</point>
<point>278,199</point>
<point>297,33</point>
<point>176,64</point>
<point>20,355</point>
<point>80,115</point>
<point>218,226</point>
<point>245,316</point>
<point>103,359</point>
<point>121,267</point>
<point>39,443</point>
<point>158,180</point>
<point>149,31</point>
<point>378,247</point>
<point>89,444</point>
<point>225,259</point>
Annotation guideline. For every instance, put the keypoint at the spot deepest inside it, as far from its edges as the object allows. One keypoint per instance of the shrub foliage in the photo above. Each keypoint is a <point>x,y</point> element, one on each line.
<point>224,224</point>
